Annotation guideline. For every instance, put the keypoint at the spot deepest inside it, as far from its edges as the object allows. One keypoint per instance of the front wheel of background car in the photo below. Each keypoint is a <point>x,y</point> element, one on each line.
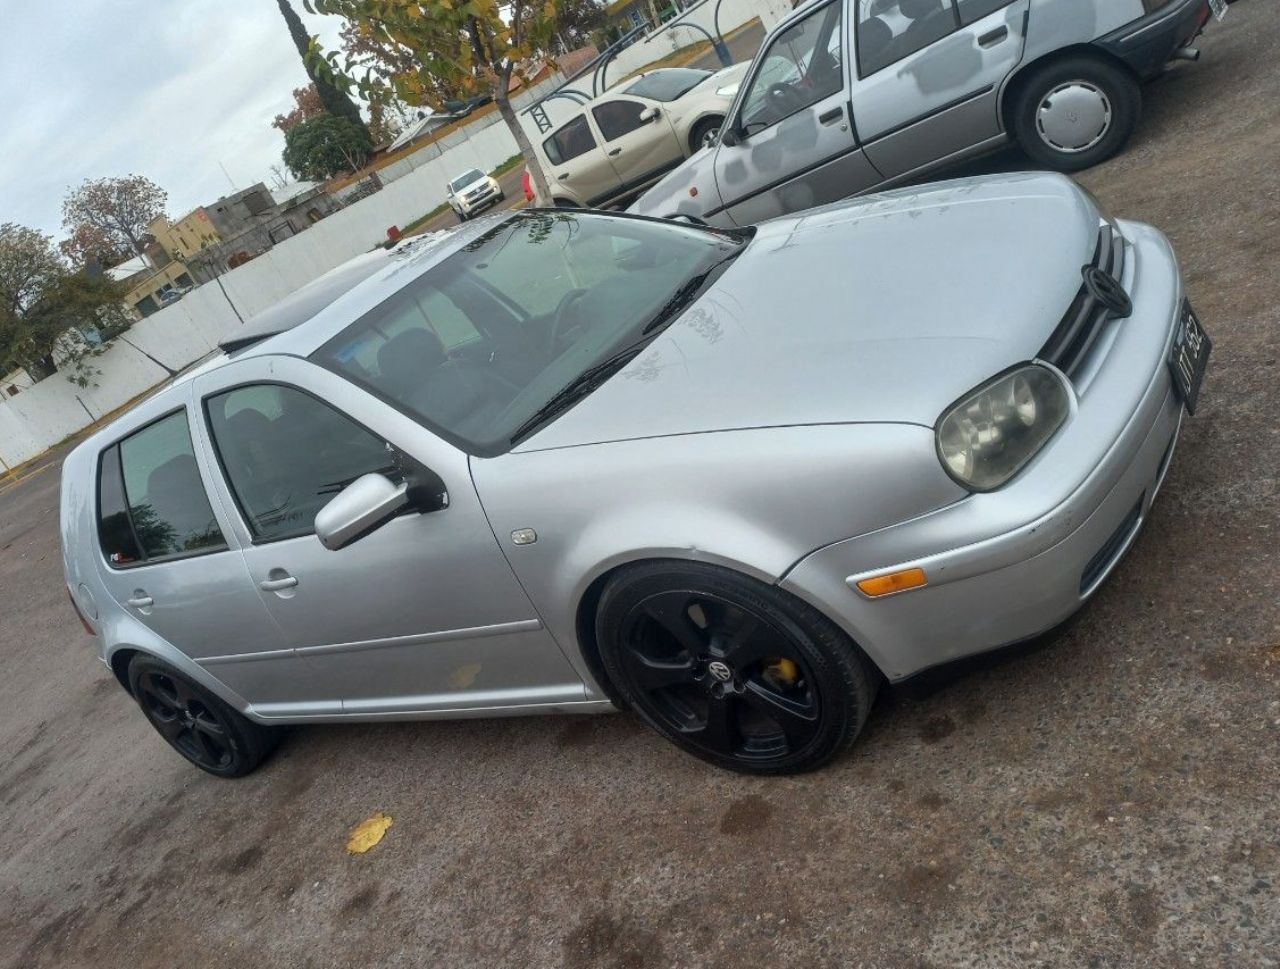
<point>1076,112</point>
<point>732,670</point>
<point>195,723</point>
<point>705,134</point>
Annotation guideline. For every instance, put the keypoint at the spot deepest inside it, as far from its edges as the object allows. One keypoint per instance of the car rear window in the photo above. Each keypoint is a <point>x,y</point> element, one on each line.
<point>152,504</point>
<point>668,84</point>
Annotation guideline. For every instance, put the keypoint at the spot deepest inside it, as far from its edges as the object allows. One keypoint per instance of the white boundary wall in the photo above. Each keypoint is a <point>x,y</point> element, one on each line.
<point>41,416</point>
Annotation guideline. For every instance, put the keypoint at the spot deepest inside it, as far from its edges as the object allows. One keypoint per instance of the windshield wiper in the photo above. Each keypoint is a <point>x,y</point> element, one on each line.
<point>684,296</point>
<point>595,375</point>
<point>579,387</point>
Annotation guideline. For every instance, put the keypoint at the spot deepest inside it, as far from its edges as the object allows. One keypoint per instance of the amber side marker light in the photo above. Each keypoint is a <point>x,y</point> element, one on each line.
<point>883,585</point>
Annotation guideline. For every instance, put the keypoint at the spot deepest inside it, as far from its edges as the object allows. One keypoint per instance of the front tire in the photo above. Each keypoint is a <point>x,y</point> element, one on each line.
<point>1076,112</point>
<point>195,723</point>
<point>734,671</point>
<point>704,134</point>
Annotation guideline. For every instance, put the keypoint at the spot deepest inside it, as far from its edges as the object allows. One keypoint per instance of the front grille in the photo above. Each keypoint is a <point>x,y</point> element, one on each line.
<point>1106,556</point>
<point>1069,345</point>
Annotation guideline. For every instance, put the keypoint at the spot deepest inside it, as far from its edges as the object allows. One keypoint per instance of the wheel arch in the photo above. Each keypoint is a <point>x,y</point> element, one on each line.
<point>697,123</point>
<point>1016,81</point>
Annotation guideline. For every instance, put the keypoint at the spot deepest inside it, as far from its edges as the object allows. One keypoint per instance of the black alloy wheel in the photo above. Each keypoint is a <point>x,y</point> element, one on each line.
<point>732,670</point>
<point>195,723</point>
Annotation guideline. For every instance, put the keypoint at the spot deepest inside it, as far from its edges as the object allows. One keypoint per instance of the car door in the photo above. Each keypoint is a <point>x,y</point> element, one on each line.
<point>579,166</point>
<point>169,560</point>
<point>641,150</point>
<point>792,144</point>
<point>929,76</point>
<point>421,615</point>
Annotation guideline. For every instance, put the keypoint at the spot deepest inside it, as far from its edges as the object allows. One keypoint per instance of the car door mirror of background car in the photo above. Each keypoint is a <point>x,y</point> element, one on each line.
<point>649,114</point>
<point>363,506</point>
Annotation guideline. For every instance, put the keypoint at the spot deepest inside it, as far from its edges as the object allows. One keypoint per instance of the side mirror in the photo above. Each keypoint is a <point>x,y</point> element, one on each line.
<point>649,114</point>
<point>361,507</point>
<point>731,137</point>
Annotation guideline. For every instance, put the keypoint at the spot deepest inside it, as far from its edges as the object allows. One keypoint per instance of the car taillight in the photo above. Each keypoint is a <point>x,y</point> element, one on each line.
<point>80,615</point>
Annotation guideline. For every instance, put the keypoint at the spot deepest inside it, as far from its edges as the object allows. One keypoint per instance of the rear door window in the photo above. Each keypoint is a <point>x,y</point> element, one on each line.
<point>572,140</point>
<point>286,454</point>
<point>152,503</point>
<point>889,30</point>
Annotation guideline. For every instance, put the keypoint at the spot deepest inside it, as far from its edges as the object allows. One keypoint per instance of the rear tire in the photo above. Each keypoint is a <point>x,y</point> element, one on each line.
<point>1076,112</point>
<point>734,671</point>
<point>195,723</point>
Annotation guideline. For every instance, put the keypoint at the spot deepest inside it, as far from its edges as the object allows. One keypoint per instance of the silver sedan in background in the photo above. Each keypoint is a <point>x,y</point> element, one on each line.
<point>564,461</point>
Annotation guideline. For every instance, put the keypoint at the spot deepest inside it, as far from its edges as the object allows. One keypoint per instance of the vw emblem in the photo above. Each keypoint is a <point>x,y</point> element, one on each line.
<point>720,671</point>
<point>1106,290</point>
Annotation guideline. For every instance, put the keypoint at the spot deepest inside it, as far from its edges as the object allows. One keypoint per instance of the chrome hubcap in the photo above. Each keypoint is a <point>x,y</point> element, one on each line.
<point>1074,117</point>
<point>709,139</point>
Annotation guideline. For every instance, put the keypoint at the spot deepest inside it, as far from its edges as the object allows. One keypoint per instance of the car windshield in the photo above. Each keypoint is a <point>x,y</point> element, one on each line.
<point>462,181</point>
<point>478,346</point>
<point>667,85</point>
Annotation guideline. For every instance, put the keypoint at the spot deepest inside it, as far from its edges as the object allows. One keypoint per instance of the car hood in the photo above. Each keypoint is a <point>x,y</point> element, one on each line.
<point>886,309</point>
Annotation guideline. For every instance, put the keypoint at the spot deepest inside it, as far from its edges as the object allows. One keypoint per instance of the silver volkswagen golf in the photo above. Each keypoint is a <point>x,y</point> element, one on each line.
<point>569,461</point>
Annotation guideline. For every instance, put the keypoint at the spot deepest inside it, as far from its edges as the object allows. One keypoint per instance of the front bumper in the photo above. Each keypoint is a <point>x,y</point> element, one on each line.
<point>1148,43</point>
<point>490,196</point>
<point>1008,565</point>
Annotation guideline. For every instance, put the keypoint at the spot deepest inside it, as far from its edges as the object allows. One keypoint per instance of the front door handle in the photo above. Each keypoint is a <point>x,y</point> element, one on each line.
<point>835,114</point>
<point>564,177</point>
<point>616,151</point>
<point>994,37</point>
<point>278,585</point>
<point>141,600</point>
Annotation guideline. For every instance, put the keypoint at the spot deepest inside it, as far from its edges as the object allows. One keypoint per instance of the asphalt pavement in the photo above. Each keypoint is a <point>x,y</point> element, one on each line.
<point>1104,797</point>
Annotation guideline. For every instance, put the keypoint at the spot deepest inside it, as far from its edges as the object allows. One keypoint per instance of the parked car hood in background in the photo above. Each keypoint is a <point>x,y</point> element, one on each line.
<point>885,309</point>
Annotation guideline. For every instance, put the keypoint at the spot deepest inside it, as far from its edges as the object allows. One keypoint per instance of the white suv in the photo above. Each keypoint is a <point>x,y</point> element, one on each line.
<point>472,192</point>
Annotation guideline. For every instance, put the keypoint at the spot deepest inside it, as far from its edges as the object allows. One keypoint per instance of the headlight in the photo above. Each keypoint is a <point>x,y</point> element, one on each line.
<point>729,90</point>
<point>987,438</point>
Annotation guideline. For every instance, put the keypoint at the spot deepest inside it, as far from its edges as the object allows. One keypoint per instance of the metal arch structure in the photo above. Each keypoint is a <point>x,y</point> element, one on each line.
<point>717,44</point>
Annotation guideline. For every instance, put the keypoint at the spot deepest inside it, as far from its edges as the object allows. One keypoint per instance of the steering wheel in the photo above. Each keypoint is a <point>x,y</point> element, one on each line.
<point>782,97</point>
<point>563,323</point>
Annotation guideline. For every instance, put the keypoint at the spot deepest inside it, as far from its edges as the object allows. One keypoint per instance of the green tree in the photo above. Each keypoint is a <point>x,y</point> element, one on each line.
<point>335,100</point>
<point>52,317</point>
<point>477,45</point>
<point>322,147</point>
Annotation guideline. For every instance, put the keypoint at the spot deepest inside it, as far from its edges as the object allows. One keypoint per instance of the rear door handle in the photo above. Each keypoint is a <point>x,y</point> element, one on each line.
<point>835,114</point>
<point>993,37</point>
<point>278,585</point>
<point>616,151</point>
<point>141,601</point>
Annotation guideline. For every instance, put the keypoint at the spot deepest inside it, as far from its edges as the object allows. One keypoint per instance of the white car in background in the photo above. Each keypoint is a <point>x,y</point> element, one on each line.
<point>473,192</point>
<point>625,140</point>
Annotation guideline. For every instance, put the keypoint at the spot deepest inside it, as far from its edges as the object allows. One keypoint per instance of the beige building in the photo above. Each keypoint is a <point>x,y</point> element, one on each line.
<point>187,236</point>
<point>150,286</point>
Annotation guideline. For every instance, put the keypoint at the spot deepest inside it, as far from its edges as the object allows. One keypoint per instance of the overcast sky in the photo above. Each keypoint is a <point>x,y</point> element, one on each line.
<point>162,88</point>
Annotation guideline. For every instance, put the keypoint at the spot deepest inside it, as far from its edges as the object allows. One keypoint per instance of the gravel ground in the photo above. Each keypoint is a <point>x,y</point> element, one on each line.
<point>1104,797</point>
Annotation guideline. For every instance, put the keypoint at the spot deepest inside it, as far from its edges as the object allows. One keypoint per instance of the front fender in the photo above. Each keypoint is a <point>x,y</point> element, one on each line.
<point>755,501</point>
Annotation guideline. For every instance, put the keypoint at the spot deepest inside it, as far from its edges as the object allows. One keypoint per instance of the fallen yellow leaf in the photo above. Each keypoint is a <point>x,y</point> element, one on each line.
<point>368,833</point>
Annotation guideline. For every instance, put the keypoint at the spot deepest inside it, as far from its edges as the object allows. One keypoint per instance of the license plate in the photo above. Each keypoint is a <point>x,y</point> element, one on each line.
<point>1190,357</point>
<point>1219,8</point>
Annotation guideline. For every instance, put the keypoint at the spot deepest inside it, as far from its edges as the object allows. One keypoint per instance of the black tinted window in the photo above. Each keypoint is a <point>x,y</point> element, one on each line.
<point>569,142</point>
<point>169,509</point>
<point>667,84</point>
<point>115,533</point>
<point>286,454</point>
<point>616,118</point>
<point>889,30</point>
